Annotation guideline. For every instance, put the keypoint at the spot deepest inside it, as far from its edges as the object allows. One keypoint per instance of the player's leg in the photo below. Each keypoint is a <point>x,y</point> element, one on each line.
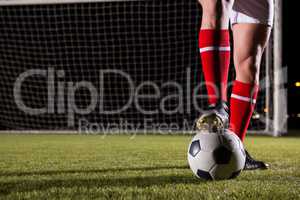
<point>214,45</point>
<point>252,21</point>
<point>249,43</point>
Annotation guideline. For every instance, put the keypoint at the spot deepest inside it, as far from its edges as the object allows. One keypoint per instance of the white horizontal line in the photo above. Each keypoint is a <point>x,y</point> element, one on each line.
<point>242,98</point>
<point>214,48</point>
<point>40,2</point>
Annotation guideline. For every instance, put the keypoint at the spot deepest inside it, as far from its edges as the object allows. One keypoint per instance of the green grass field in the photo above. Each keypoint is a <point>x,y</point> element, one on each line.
<point>146,167</point>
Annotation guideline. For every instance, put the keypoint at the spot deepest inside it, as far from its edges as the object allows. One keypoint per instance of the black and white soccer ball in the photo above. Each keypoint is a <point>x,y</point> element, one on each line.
<point>216,156</point>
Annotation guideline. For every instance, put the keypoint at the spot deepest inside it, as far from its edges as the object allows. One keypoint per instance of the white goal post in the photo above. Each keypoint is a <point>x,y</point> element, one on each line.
<point>280,76</point>
<point>61,50</point>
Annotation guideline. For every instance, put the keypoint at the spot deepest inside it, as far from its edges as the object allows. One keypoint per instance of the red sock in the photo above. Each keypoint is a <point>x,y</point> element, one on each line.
<point>215,55</point>
<point>242,105</point>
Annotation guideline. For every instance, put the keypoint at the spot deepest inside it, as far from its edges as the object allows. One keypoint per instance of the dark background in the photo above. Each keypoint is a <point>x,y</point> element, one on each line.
<point>289,59</point>
<point>189,19</point>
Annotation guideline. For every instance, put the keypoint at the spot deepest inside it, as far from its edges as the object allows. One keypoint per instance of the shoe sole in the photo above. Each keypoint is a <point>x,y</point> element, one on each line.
<point>265,167</point>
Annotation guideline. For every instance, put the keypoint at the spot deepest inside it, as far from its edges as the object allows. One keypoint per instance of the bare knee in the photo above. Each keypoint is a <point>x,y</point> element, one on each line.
<point>248,67</point>
<point>215,13</point>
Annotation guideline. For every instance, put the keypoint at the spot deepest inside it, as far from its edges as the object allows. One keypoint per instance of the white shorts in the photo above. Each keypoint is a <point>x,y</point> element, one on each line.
<point>253,11</point>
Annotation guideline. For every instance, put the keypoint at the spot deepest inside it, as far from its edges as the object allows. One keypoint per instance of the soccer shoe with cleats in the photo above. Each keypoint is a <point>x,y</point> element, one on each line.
<point>215,119</point>
<point>252,164</point>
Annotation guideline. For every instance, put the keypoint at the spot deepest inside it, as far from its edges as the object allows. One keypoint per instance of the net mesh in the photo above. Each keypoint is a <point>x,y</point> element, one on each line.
<point>65,65</point>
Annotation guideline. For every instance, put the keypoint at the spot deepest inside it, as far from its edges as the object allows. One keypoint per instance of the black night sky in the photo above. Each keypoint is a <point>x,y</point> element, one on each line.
<point>293,72</point>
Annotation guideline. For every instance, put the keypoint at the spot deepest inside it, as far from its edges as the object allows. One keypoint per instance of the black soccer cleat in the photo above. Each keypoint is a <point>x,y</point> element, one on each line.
<point>252,164</point>
<point>215,119</point>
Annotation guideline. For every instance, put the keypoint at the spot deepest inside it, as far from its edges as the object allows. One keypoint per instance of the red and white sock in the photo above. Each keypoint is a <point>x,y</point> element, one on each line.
<point>214,48</point>
<point>242,104</point>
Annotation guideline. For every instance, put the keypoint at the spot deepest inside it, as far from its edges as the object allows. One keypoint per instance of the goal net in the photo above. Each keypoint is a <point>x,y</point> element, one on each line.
<point>106,66</point>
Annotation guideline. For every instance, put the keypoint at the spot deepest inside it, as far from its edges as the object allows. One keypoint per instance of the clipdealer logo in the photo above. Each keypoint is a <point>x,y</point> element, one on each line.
<point>61,95</point>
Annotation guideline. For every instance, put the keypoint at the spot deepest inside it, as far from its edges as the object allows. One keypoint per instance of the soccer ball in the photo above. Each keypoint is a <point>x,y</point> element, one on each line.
<point>216,156</point>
